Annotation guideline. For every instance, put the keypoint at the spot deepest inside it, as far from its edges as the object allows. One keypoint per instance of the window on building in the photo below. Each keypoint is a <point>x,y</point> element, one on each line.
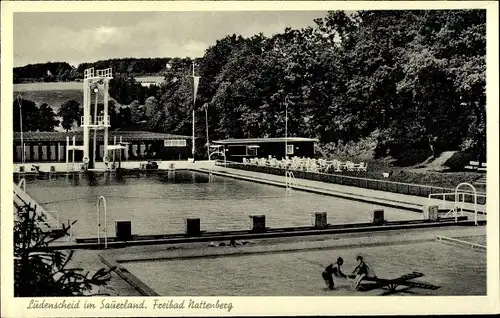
<point>252,151</point>
<point>289,149</point>
<point>175,143</point>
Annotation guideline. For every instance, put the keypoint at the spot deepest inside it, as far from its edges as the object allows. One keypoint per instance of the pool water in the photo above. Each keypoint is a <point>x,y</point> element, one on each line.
<point>160,203</point>
<point>457,270</point>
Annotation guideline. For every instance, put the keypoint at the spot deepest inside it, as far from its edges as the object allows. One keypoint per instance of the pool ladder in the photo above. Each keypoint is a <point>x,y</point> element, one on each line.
<point>289,182</point>
<point>103,199</point>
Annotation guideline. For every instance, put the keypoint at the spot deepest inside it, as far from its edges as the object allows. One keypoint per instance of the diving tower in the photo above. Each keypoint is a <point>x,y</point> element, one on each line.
<point>93,83</point>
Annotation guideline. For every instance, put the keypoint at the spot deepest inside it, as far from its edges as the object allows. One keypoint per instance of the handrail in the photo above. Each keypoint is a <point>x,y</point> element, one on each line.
<point>457,196</point>
<point>450,239</point>
<point>289,181</point>
<point>103,199</point>
<point>457,200</point>
<point>23,183</point>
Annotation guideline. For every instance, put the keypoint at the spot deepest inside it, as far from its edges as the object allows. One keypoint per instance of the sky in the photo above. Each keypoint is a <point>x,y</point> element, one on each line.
<point>90,36</point>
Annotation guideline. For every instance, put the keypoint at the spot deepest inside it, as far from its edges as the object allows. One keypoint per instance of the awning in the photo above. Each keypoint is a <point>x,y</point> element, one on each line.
<point>116,147</point>
<point>253,146</point>
<point>76,147</point>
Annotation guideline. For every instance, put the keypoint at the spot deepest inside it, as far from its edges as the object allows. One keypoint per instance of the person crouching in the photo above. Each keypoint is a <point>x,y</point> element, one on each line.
<point>333,269</point>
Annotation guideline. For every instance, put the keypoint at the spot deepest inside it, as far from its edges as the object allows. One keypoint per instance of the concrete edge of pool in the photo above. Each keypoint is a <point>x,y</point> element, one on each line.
<point>119,260</point>
<point>414,207</point>
<point>251,235</point>
<point>128,277</point>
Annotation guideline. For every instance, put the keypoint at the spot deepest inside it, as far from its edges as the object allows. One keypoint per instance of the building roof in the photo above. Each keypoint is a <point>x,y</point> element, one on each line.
<point>60,136</point>
<point>263,140</point>
<point>150,79</point>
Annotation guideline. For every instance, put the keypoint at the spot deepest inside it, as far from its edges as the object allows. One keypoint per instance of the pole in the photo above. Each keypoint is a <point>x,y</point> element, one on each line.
<point>114,142</point>
<point>105,114</point>
<point>67,153</point>
<point>21,124</point>
<point>74,143</point>
<point>206,125</point>
<point>86,117</point>
<point>286,127</point>
<point>98,222</point>
<point>193,134</point>
<point>95,128</point>
<point>194,102</point>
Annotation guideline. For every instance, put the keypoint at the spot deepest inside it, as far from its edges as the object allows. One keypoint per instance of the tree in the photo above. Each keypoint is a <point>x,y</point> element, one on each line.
<point>41,272</point>
<point>47,118</point>
<point>125,89</point>
<point>70,112</point>
<point>29,112</point>
<point>34,118</point>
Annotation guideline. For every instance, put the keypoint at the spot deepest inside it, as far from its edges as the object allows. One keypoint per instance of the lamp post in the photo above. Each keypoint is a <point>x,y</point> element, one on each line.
<point>19,99</point>
<point>286,127</point>
<point>206,128</point>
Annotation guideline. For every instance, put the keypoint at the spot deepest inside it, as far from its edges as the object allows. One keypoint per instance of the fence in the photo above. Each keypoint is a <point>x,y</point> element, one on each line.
<point>373,184</point>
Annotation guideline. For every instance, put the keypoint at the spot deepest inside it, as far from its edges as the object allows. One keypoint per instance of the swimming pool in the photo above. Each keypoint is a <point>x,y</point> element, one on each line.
<point>457,270</point>
<point>159,203</point>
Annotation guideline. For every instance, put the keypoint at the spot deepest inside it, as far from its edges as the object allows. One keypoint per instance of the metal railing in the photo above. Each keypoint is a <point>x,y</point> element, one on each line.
<point>366,183</point>
<point>103,199</point>
<point>290,182</point>
<point>454,240</point>
<point>100,121</point>
<point>106,73</point>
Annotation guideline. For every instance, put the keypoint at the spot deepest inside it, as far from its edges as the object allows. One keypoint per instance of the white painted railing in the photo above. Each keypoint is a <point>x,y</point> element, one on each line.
<point>100,121</point>
<point>103,199</point>
<point>289,182</point>
<point>454,240</point>
<point>457,205</point>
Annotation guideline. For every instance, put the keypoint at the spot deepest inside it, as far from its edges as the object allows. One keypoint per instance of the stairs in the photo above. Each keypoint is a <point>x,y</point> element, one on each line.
<point>50,225</point>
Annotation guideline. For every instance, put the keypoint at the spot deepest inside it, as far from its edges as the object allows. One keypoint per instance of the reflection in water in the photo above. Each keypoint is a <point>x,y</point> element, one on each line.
<point>159,203</point>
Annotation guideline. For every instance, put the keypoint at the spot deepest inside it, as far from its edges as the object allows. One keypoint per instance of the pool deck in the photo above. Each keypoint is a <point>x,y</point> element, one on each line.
<point>410,202</point>
<point>275,245</point>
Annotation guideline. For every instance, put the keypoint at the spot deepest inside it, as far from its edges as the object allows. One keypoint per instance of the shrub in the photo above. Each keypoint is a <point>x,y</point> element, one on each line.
<point>39,271</point>
<point>459,160</point>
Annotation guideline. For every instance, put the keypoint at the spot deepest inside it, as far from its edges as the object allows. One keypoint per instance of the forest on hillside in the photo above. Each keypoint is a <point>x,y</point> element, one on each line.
<point>63,72</point>
<point>413,79</point>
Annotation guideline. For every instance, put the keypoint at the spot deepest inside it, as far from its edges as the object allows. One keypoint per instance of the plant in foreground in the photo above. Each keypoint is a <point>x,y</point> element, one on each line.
<point>40,271</point>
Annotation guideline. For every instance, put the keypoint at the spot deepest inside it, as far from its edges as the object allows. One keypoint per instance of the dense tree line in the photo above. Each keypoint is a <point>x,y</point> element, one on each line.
<point>413,79</point>
<point>62,71</point>
<point>34,117</point>
<point>130,66</point>
<point>47,72</point>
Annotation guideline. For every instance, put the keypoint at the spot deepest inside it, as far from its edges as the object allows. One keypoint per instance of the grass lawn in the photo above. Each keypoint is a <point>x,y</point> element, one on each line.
<point>419,176</point>
<point>54,94</point>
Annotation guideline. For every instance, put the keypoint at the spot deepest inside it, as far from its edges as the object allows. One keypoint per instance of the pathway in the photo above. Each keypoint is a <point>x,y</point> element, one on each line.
<point>377,196</point>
